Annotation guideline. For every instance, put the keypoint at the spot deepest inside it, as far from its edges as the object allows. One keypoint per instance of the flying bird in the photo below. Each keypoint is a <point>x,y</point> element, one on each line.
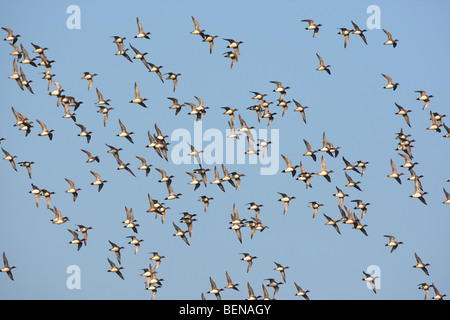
<point>144,165</point>
<point>11,36</point>
<point>116,249</point>
<point>403,112</point>
<point>424,97</point>
<point>312,26</point>
<point>84,132</point>
<point>282,269</point>
<point>142,33</point>
<point>76,240</point>
<point>346,33</point>
<point>322,65</point>
<point>286,199</point>
<point>27,164</point>
<point>230,284</point>
<point>418,193</point>
<point>323,170</point>
<point>25,82</point>
<point>197,29</point>
<point>392,243</point>
<point>214,290</point>
<point>390,84</point>
<point>115,269</point>
<point>249,258</point>
<point>156,69</point>
<point>10,158</point>
<point>332,222</point>
<point>174,77</point>
<point>72,189</point>
<point>137,97</point>
<point>390,40</point>
<point>210,39</point>
<point>89,77</point>
<point>301,292</point>
<point>217,181</point>
<point>124,132</point>
<point>371,279</point>
<point>45,131</point>
<point>420,264</point>
<point>394,173</point>
<point>180,233</point>
<point>359,32</point>
<point>98,182</point>
<point>6,268</point>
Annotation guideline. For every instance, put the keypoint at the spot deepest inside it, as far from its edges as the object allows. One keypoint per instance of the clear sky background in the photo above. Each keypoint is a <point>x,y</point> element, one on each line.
<point>350,106</point>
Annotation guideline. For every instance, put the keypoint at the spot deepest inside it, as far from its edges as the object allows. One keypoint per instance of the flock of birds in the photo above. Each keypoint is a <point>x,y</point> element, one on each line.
<point>158,142</point>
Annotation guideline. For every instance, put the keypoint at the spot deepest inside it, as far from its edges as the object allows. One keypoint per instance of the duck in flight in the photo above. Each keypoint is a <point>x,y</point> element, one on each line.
<point>230,284</point>
<point>280,88</point>
<point>124,132</point>
<point>286,199</point>
<point>217,181</point>
<point>180,233</point>
<point>137,97</point>
<point>140,56</point>
<point>142,33</point>
<point>390,40</point>
<point>312,26</point>
<point>346,33</point>
<point>331,222</point>
<point>210,39</point>
<point>6,268</point>
<point>45,131</point>
<point>392,242</point>
<point>176,105</point>
<point>394,173</point>
<point>27,164</point>
<point>420,264</point>
<point>371,279</point>
<point>301,292</point>
<point>322,65</point>
<point>249,258</point>
<point>25,82</point>
<point>359,32</point>
<point>214,290</point>
<point>115,269</point>
<point>323,170</point>
<point>390,84</point>
<point>156,69</point>
<point>197,29</point>
<point>89,77</point>
<point>123,165</point>
<point>289,167</point>
<point>122,52</point>
<point>174,77</point>
<point>424,97</point>
<point>26,59</point>
<point>144,165</point>
<point>301,109</point>
<point>11,36</point>
<point>72,189</point>
<point>403,112</point>
<point>76,240</point>
<point>84,132</point>
<point>205,200</point>
<point>418,193</point>
<point>98,181</point>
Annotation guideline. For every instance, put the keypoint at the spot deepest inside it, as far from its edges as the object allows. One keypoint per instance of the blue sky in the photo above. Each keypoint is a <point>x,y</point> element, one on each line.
<point>350,106</point>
